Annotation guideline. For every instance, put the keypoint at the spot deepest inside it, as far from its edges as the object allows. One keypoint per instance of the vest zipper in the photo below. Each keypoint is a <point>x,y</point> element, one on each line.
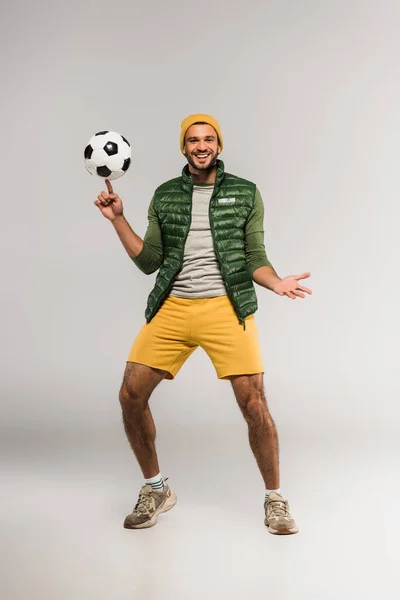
<point>155,309</point>
<point>186,237</point>
<point>219,258</point>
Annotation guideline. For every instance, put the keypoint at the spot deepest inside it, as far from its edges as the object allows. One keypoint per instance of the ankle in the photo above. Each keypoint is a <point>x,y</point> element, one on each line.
<point>156,483</point>
<point>267,492</point>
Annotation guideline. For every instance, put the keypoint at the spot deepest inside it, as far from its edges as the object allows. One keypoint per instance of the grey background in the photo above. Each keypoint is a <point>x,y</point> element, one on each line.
<point>307,96</point>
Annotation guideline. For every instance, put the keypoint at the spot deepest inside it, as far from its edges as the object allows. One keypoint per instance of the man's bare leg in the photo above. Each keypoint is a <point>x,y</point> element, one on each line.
<point>137,387</point>
<point>263,436</point>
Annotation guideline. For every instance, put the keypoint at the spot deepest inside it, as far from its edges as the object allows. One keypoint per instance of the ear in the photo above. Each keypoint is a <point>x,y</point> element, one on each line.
<point>219,149</point>
<point>184,150</point>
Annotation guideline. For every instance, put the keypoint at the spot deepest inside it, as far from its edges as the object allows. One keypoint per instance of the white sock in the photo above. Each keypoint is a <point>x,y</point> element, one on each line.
<point>267,492</point>
<point>156,483</point>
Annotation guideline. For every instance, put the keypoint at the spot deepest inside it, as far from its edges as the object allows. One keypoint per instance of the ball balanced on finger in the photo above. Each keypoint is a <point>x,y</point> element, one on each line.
<point>108,154</point>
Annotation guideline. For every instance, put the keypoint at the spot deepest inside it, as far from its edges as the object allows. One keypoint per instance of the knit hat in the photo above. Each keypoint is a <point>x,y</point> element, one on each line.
<point>200,118</point>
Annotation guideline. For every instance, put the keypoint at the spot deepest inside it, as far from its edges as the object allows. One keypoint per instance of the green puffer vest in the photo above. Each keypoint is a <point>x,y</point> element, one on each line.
<point>230,206</point>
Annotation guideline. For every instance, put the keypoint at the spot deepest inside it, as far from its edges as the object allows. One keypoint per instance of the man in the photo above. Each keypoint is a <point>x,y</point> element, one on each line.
<point>205,235</point>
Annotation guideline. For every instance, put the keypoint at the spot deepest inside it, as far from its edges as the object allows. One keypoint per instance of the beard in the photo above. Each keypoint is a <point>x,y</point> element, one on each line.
<point>207,166</point>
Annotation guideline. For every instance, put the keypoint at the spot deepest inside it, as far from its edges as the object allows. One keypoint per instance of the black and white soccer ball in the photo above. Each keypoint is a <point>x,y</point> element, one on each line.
<point>108,155</point>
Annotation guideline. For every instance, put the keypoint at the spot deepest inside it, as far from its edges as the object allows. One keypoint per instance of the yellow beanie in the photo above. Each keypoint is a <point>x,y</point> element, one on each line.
<point>192,119</point>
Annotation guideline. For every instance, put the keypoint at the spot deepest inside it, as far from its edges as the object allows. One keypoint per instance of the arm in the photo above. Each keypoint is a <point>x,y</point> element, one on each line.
<point>150,256</point>
<point>261,270</point>
<point>147,254</point>
<point>132,243</point>
<point>267,277</point>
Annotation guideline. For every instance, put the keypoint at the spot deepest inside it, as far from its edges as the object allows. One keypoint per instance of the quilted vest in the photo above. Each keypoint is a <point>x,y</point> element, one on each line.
<point>230,206</point>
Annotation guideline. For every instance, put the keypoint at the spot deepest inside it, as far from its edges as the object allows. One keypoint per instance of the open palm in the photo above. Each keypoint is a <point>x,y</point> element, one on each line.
<point>289,286</point>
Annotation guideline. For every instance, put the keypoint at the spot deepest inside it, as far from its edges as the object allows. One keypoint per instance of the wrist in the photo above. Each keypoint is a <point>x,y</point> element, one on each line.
<point>275,284</point>
<point>267,277</point>
<point>117,218</point>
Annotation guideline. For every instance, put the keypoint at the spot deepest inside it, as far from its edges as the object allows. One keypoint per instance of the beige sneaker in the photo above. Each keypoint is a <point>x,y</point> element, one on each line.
<point>277,515</point>
<point>149,505</point>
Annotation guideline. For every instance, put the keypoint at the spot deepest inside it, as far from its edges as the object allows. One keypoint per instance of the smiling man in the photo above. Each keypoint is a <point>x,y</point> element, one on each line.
<point>201,148</point>
<point>205,235</point>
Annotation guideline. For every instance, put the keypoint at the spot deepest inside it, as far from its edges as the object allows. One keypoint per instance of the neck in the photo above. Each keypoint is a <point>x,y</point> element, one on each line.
<point>206,176</point>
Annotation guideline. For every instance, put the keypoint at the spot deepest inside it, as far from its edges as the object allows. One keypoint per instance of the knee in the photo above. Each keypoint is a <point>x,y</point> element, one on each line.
<point>131,398</point>
<point>255,408</point>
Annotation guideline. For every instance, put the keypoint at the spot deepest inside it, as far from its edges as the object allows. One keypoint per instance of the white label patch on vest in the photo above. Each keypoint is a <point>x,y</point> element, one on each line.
<point>226,200</point>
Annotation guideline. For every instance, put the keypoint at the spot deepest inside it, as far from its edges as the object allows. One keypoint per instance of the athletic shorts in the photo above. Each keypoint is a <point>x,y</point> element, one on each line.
<point>181,325</point>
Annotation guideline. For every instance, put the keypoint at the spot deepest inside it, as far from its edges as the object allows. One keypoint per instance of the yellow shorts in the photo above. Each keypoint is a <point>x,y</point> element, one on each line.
<point>181,325</point>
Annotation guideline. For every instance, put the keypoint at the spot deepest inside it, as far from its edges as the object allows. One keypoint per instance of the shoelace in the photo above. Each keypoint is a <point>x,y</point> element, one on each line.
<point>279,508</point>
<point>143,505</point>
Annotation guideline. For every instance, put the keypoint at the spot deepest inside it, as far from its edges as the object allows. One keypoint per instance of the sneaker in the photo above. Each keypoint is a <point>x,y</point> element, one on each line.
<point>149,505</point>
<point>277,515</point>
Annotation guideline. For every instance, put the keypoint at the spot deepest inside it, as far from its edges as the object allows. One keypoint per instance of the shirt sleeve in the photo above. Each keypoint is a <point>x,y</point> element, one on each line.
<point>151,256</point>
<point>256,255</point>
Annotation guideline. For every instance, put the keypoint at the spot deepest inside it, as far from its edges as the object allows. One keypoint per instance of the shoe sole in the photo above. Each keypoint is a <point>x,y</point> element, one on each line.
<point>282,531</point>
<point>168,504</point>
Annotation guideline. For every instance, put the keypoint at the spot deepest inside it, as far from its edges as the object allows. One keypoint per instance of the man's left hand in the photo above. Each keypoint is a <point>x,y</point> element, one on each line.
<point>289,286</point>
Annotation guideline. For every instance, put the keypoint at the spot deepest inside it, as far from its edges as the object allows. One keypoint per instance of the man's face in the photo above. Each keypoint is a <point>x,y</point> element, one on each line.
<point>201,147</point>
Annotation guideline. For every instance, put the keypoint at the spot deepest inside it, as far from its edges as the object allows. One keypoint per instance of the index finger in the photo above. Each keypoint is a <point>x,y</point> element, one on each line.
<point>109,187</point>
<point>303,276</point>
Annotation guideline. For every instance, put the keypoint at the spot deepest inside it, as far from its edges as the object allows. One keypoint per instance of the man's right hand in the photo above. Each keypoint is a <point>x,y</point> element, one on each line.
<point>109,204</point>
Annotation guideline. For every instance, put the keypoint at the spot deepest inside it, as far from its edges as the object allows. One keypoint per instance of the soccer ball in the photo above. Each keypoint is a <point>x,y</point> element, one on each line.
<point>108,155</point>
